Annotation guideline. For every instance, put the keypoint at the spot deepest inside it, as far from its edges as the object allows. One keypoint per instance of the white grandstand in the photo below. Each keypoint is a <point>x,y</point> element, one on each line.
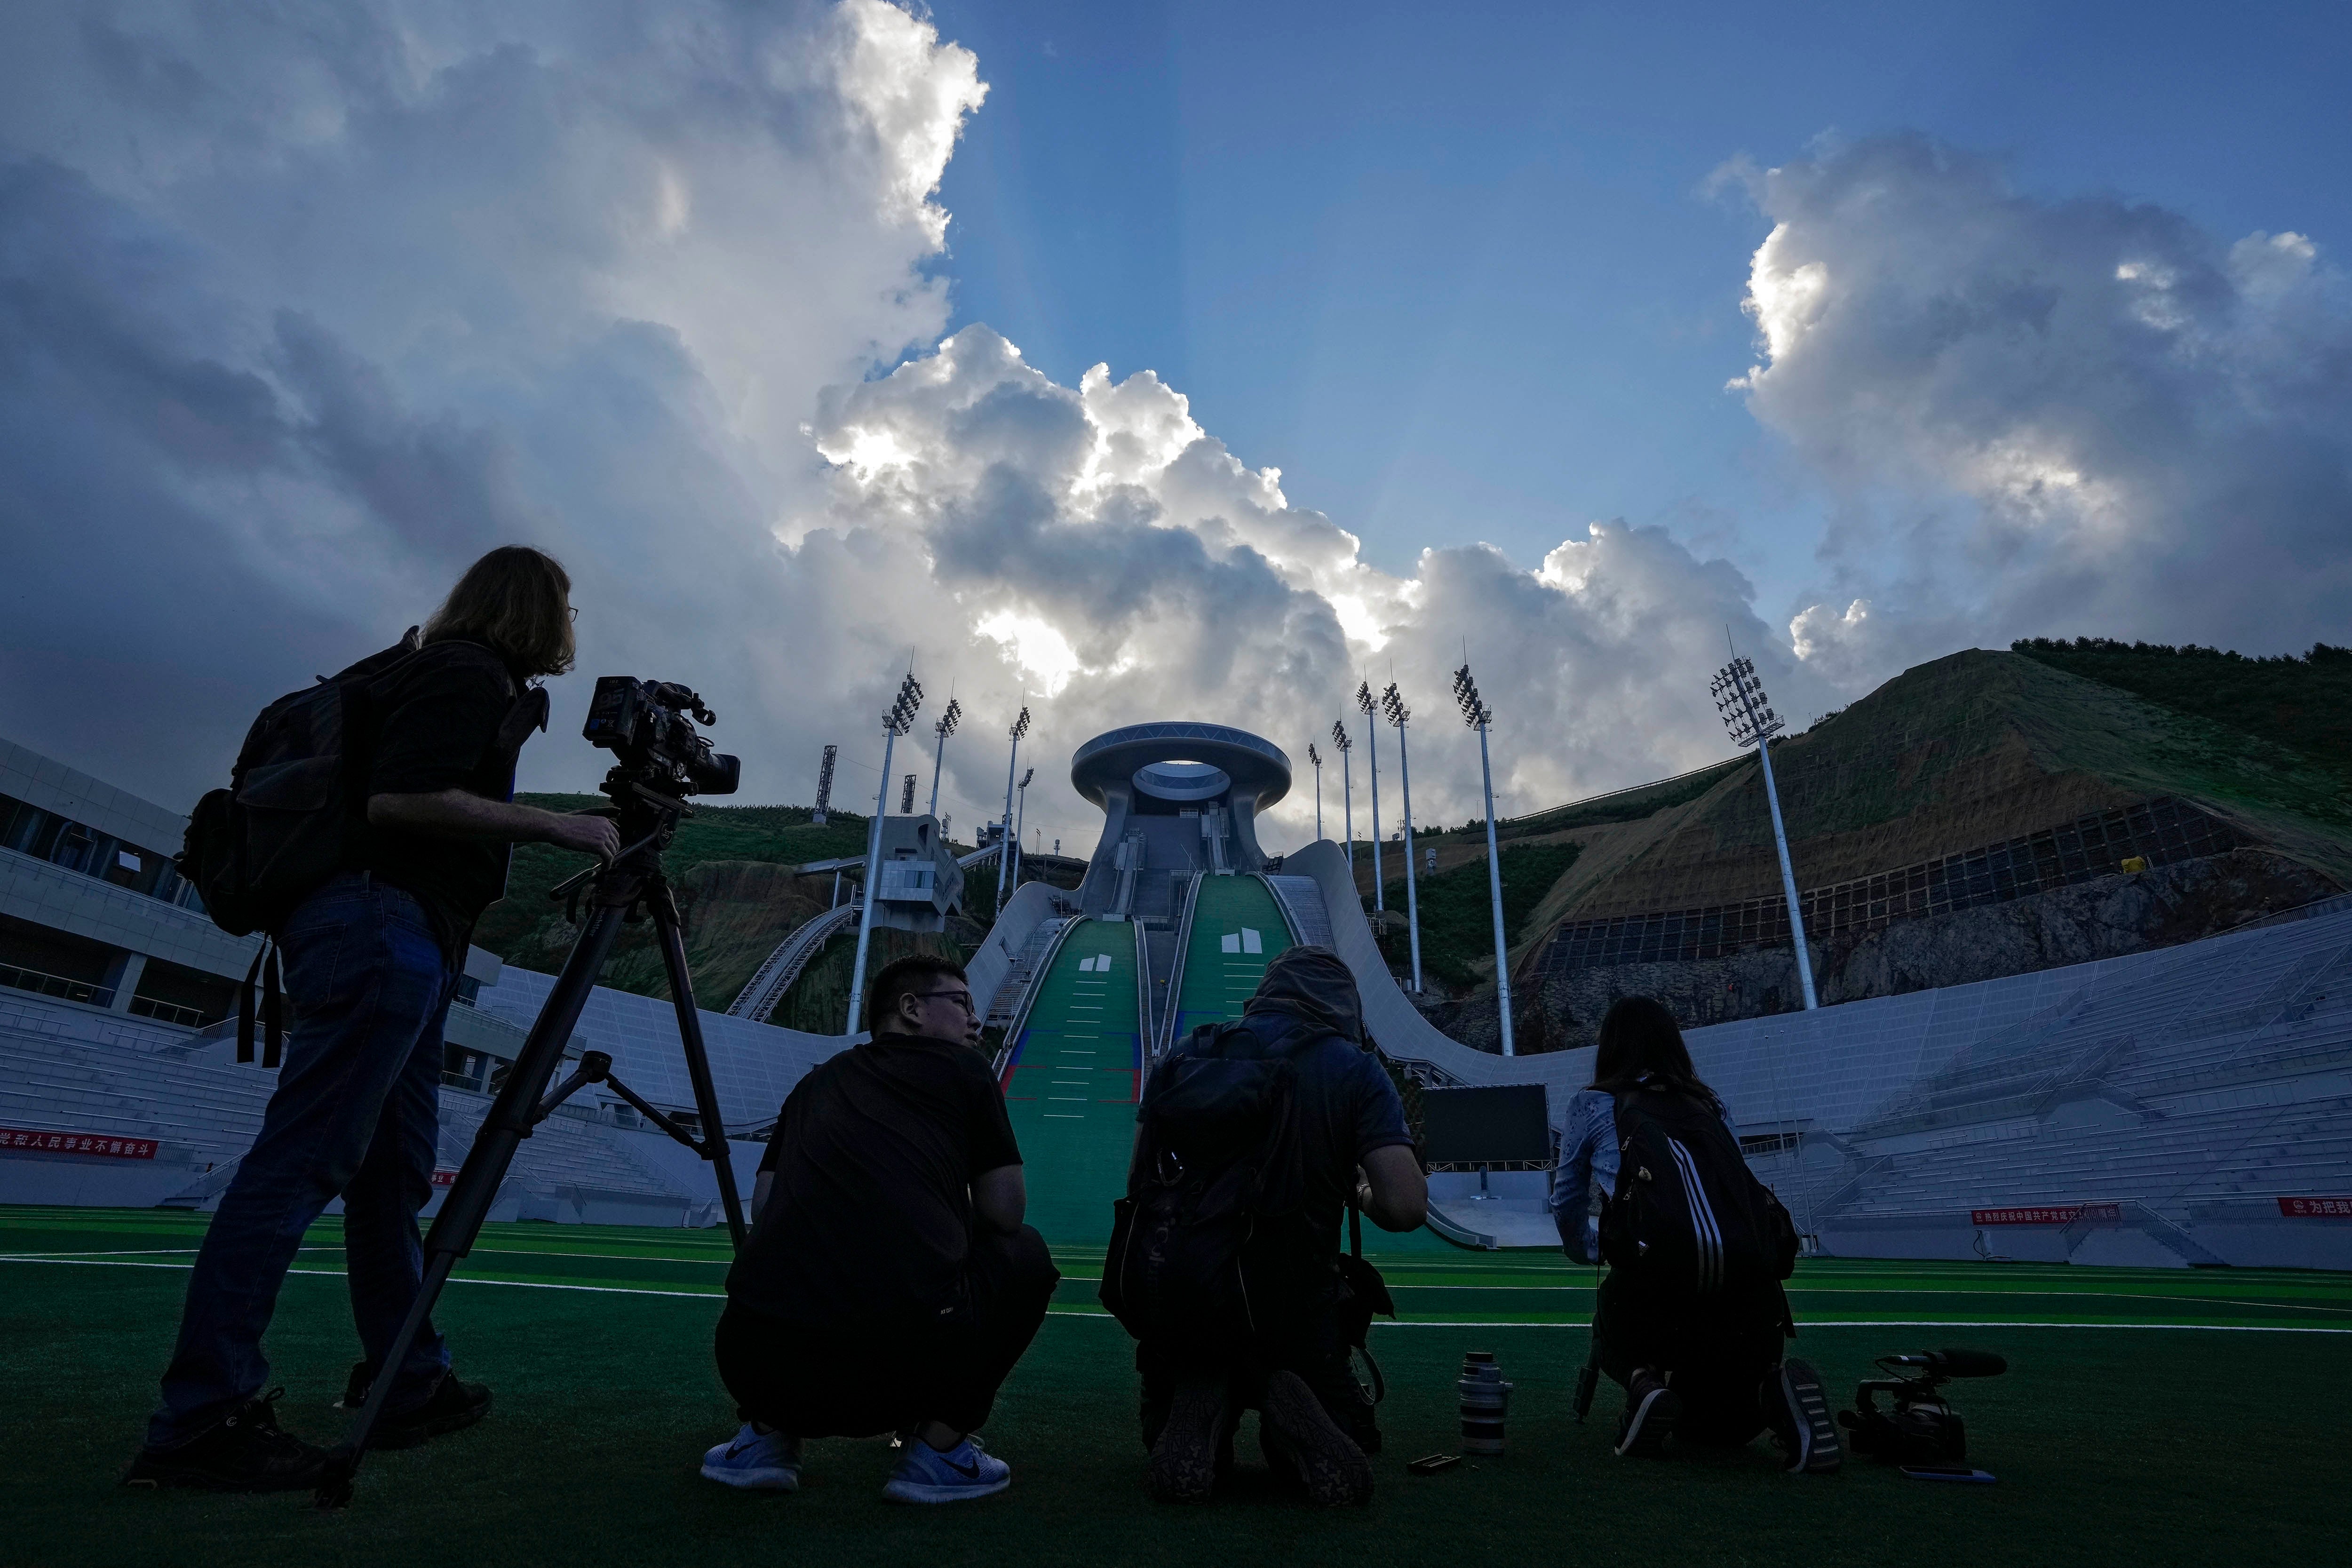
<point>2187,1106</point>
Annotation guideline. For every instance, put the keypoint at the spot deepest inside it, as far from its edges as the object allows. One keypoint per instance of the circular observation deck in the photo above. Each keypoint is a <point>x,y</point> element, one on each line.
<point>1181,763</point>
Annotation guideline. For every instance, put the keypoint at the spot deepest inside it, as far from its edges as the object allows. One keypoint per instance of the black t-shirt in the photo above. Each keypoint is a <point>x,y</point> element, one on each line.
<point>436,717</point>
<point>869,1220</point>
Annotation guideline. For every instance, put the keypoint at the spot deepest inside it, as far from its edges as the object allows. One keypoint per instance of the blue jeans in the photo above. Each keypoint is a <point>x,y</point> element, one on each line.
<point>355,1116</point>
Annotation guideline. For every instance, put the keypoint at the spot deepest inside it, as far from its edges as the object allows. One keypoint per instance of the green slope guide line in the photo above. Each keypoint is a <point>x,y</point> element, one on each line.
<point>1237,929</point>
<point>1072,1080</point>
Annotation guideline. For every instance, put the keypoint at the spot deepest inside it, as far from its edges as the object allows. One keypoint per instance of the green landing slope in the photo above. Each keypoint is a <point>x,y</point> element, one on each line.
<point>1237,927</point>
<point>1072,1080</point>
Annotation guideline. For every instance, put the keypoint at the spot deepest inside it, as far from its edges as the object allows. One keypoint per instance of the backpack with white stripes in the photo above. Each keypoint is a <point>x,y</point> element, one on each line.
<point>1688,1217</point>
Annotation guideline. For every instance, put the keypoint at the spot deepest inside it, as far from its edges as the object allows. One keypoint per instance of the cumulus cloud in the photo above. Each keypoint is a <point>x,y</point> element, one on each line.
<point>2078,417</point>
<point>1095,546</point>
<point>300,310</point>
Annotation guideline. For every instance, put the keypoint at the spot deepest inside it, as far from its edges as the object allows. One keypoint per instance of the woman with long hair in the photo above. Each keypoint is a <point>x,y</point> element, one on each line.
<point>1707,1365</point>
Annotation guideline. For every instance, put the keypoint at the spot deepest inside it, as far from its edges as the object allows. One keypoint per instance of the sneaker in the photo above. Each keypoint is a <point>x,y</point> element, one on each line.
<point>355,1387</point>
<point>1651,1410</point>
<point>1183,1467</point>
<point>245,1452</point>
<point>1799,1412</point>
<point>451,1406</point>
<point>923,1474</point>
<point>756,1461</point>
<point>1324,1460</point>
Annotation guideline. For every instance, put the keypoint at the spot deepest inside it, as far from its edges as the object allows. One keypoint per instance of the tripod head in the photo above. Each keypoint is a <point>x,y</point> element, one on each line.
<point>647,815</point>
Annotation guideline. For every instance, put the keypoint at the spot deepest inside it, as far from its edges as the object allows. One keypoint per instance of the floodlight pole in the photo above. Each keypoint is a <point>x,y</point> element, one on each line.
<point>943,729</point>
<point>1004,850</point>
<point>1476,711</point>
<point>1021,817</point>
<point>1372,752</point>
<point>1398,714</point>
<point>1316,761</point>
<point>1346,794</point>
<point>1738,680</point>
<point>825,788</point>
<point>895,723</point>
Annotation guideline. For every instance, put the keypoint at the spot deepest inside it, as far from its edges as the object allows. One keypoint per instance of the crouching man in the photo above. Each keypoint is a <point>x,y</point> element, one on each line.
<point>1266,1130</point>
<point>889,1284</point>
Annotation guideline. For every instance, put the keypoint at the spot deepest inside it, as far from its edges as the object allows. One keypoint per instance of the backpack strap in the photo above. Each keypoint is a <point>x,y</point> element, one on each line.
<point>268,977</point>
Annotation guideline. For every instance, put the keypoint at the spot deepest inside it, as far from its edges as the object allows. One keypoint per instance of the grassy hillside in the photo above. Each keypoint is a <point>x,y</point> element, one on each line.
<point>1457,920</point>
<point>2300,703</point>
<point>1620,806</point>
<point>728,864</point>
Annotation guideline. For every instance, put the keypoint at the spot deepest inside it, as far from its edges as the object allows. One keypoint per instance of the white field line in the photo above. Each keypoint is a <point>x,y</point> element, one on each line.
<point>1414,1323</point>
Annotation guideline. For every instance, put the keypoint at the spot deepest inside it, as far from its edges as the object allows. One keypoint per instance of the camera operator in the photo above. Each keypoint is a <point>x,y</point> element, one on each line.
<point>1697,1351</point>
<point>888,1285</point>
<point>371,959</point>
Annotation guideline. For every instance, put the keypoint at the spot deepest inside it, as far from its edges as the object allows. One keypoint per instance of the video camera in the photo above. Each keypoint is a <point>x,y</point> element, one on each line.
<point>1920,1427</point>
<point>641,724</point>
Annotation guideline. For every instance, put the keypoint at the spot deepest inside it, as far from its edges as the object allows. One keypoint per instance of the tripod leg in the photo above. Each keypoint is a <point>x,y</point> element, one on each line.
<point>697,1061</point>
<point>477,1186</point>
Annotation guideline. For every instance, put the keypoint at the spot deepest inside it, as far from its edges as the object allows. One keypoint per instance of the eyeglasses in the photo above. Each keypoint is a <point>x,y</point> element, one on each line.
<point>961,998</point>
<point>573,611</point>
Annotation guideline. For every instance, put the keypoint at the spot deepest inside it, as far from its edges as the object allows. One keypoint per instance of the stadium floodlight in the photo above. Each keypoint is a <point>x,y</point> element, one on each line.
<point>1314,761</point>
<point>943,729</point>
<point>1478,716</point>
<point>1398,713</point>
<point>1021,815</point>
<point>895,723</point>
<point>825,786</point>
<point>1370,708</point>
<point>1346,794</point>
<point>1739,698</point>
<point>1003,850</point>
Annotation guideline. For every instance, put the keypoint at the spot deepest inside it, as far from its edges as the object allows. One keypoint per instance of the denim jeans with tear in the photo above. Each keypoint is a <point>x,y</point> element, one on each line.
<point>355,1116</point>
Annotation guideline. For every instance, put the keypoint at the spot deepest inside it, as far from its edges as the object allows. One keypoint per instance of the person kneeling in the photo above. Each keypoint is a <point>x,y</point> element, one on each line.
<point>889,1284</point>
<point>1691,1317</point>
<point>1255,1140</point>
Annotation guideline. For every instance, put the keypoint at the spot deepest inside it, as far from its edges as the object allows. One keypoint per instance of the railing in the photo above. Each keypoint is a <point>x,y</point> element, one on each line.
<point>56,986</point>
<point>174,1013</point>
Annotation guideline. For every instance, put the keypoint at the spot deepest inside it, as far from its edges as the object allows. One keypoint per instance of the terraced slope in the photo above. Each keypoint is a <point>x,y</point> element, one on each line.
<point>1071,1083</point>
<point>1237,927</point>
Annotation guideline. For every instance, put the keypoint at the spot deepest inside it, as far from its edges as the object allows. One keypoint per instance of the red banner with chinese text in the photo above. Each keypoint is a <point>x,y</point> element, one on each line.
<point>2060,1214</point>
<point>105,1145</point>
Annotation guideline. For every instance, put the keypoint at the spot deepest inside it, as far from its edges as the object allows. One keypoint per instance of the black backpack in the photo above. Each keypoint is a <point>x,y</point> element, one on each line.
<point>1688,1217</point>
<point>1210,1244</point>
<point>294,814</point>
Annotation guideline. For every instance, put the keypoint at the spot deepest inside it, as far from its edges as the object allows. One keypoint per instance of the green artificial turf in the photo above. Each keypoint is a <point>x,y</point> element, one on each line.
<point>2121,1436</point>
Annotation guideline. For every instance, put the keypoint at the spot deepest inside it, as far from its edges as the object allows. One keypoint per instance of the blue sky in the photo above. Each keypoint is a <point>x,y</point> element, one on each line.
<point>301,310</point>
<point>1459,273</point>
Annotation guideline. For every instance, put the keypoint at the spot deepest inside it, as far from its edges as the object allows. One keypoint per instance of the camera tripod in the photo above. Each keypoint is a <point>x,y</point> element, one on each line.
<point>634,882</point>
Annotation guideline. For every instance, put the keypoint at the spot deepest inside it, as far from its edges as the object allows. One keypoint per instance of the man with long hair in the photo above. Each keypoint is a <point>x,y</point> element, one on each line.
<point>371,959</point>
<point>1696,1350</point>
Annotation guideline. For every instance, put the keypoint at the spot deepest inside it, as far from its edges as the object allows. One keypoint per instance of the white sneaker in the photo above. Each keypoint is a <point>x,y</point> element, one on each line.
<point>756,1461</point>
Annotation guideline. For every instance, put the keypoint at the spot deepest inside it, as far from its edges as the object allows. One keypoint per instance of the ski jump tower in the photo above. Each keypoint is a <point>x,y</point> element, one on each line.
<point>1178,800</point>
